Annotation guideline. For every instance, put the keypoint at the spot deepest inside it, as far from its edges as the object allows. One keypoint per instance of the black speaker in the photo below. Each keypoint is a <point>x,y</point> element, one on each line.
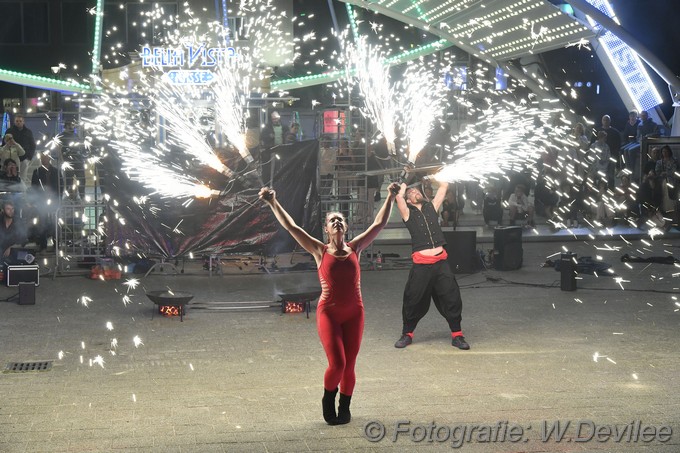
<point>27,293</point>
<point>461,246</point>
<point>507,245</point>
<point>568,271</point>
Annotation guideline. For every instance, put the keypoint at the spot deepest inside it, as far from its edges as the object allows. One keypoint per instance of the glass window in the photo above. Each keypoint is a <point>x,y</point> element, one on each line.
<point>10,31</point>
<point>36,23</point>
<point>74,23</point>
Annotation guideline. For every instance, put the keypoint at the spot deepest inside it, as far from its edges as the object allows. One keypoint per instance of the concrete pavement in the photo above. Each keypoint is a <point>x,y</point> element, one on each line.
<point>251,380</point>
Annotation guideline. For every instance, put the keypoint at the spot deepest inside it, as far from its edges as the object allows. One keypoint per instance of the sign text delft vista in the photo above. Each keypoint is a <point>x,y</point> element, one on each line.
<point>195,62</point>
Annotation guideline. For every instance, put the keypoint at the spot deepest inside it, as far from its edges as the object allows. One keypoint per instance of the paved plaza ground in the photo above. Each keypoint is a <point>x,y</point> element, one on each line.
<point>251,380</point>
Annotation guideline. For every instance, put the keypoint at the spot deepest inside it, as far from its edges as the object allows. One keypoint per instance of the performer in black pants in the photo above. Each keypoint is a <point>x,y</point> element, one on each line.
<point>430,276</point>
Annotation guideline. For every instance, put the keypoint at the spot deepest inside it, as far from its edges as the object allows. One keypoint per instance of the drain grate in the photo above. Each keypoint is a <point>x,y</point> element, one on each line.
<point>24,367</point>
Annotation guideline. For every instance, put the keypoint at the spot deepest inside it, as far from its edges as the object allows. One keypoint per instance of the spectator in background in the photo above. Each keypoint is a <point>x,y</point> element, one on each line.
<point>599,159</point>
<point>292,135</point>
<point>652,158</point>
<point>72,154</point>
<point>45,188</point>
<point>602,206</point>
<point>614,143</point>
<point>273,133</point>
<point>453,205</point>
<point>629,131</point>
<point>519,206</point>
<point>571,202</point>
<point>577,149</point>
<point>11,149</point>
<point>12,230</point>
<point>649,200</point>
<point>10,171</point>
<point>24,137</point>
<point>624,198</point>
<point>631,152</point>
<point>666,169</point>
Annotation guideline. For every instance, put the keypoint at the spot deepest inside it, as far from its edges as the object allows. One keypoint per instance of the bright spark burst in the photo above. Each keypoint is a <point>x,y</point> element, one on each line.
<point>137,341</point>
<point>109,325</point>
<point>85,301</point>
<point>99,360</point>
<point>581,44</point>
<point>131,283</point>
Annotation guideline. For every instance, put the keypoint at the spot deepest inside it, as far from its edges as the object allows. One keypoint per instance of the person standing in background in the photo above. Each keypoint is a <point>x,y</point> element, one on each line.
<point>24,137</point>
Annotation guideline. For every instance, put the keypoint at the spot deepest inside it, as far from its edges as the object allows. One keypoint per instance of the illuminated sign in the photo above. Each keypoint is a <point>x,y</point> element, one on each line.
<point>628,65</point>
<point>190,77</point>
<point>190,56</point>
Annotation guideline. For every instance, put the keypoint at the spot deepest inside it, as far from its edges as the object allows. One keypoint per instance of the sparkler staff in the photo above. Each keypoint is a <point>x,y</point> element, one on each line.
<point>430,276</point>
<point>340,313</point>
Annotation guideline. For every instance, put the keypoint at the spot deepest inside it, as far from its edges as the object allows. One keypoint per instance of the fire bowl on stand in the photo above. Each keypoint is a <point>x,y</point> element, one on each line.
<point>298,302</point>
<point>170,303</point>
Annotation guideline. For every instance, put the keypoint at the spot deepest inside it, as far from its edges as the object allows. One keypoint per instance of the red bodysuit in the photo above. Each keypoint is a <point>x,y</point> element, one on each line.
<point>340,318</point>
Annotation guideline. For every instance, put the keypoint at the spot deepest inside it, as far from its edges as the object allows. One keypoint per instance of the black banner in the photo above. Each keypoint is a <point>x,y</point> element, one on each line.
<point>236,221</point>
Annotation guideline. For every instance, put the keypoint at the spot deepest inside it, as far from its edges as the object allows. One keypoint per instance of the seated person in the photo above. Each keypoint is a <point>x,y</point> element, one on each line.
<point>492,208</point>
<point>649,200</point>
<point>452,206</point>
<point>571,203</point>
<point>519,206</point>
<point>603,208</point>
<point>12,230</point>
<point>624,198</point>
<point>546,197</point>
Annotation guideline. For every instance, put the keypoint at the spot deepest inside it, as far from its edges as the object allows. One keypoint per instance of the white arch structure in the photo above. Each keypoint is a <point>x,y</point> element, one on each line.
<point>497,31</point>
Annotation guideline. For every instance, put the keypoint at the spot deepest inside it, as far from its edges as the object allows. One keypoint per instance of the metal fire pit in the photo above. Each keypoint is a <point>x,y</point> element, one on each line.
<point>305,299</point>
<point>166,298</point>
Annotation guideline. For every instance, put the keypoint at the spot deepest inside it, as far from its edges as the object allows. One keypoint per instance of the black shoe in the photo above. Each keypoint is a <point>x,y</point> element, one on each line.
<point>344,415</point>
<point>404,341</point>
<point>328,406</point>
<point>460,343</point>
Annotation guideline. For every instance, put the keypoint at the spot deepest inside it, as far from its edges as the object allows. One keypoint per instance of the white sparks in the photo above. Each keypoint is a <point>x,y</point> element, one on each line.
<point>137,341</point>
<point>85,301</point>
<point>99,360</point>
<point>131,283</point>
<point>109,325</point>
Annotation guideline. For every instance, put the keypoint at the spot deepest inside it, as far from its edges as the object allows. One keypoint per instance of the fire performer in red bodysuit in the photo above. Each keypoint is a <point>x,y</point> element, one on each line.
<point>340,313</point>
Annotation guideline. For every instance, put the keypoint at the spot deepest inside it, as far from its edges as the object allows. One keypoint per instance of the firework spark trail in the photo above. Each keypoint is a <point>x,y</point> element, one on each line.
<point>364,65</point>
<point>152,172</point>
<point>230,90</point>
<point>182,124</point>
<point>505,138</point>
<point>422,100</point>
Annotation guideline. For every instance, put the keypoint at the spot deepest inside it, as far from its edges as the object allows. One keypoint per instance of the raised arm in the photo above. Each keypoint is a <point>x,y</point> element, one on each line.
<point>401,202</point>
<point>364,239</point>
<point>307,242</point>
<point>439,196</point>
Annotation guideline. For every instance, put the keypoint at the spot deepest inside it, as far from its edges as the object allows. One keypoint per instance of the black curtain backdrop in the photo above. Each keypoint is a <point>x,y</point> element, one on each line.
<point>234,222</point>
